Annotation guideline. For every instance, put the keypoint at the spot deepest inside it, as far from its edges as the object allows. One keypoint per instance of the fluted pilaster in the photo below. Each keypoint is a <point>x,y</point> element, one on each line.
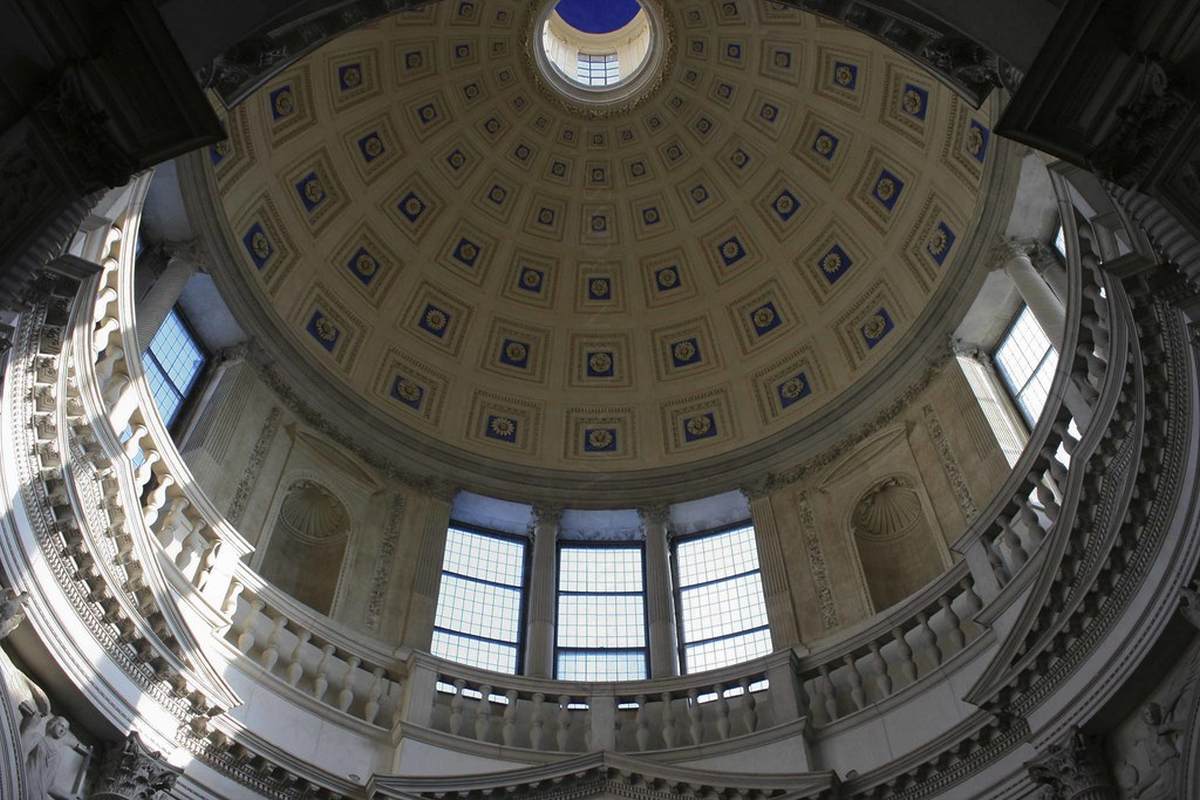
<point>781,611</point>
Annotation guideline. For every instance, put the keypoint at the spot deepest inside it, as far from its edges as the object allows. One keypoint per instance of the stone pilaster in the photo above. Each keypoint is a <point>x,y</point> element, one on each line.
<point>427,581</point>
<point>781,611</point>
<point>131,771</point>
<point>660,606</point>
<point>1074,768</point>
<point>539,629</point>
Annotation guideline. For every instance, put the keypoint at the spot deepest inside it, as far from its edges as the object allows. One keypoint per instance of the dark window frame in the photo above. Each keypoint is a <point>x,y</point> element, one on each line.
<point>523,590</point>
<point>677,588</point>
<point>640,546</point>
<point>189,397</point>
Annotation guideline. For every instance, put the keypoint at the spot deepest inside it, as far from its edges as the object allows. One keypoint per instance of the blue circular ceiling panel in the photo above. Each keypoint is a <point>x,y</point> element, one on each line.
<point>597,16</point>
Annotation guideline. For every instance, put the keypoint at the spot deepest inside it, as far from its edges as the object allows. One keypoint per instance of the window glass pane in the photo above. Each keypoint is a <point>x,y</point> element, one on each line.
<point>597,70</point>
<point>723,652</point>
<point>601,621</point>
<point>486,557</point>
<point>595,569</point>
<point>475,652</point>
<point>721,606</point>
<point>593,666</point>
<point>480,609</point>
<point>478,617</point>
<point>173,363</point>
<point>1026,362</point>
<point>601,631</point>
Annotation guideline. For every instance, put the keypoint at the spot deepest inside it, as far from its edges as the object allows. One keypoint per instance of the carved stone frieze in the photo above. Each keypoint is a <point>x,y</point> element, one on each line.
<point>816,562</point>
<point>962,491</point>
<point>385,558</point>
<point>262,446</point>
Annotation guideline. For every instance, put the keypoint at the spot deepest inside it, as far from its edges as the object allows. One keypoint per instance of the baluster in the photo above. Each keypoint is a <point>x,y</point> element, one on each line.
<point>321,682</point>
<point>857,694</point>
<point>954,634</point>
<point>1003,576</point>
<point>972,604</point>
<point>537,723</point>
<point>722,706</point>
<point>166,526</point>
<point>509,733</point>
<point>374,694</point>
<point>456,706</point>
<point>589,736</point>
<point>295,670</point>
<point>1012,546</point>
<point>346,695</point>
<point>483,713</point>
<point>882,679</point>
<point>270,653</point>
<point>141,476</point>
<point>229,604</point>
<point>908,667</point>
<point>824,686</point>
<point>208,562</point>
<point>188,558</point>
<point>245,639</point>
<point>156,498</point>
<point>927,639</point>
<point>668,720</point>
<point>133,445</point>
<point>642,734</point>
<point>695,722</point>
<point>1033,526</point>
<point>749,707</point>
<point>564,722</point>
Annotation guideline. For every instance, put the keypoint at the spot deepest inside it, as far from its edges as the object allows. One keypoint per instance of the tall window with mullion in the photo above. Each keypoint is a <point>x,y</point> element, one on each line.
<point>598,69</point>
<point>1026,362</point>
<point>173,362</point>
<point>719,597</point>
<point>601,632</point>
<point>478,618</point>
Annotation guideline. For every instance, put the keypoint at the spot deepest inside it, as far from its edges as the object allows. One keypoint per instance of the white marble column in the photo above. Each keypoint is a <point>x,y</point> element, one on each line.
<point>781,611</point>
<point>539,629</point>
<point>427,581</point>
<point>152,309</point>
<point>1016,259</point>
<point>660,593</point>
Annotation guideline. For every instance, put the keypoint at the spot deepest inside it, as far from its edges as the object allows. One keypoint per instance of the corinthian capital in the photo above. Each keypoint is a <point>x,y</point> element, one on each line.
<point>547,514</point>
<point>654,515</point>
<point>131,771</point>
<point>1073,768</point>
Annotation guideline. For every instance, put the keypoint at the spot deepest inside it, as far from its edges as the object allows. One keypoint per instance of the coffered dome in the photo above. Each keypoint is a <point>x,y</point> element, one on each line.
<point>490,272</point>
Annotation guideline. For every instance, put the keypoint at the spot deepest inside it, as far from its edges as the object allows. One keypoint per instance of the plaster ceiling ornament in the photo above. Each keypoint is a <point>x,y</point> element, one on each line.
<point>494,276</point>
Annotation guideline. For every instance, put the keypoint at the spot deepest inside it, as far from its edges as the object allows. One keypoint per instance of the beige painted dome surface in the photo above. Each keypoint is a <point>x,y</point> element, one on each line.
<point>649,288</point>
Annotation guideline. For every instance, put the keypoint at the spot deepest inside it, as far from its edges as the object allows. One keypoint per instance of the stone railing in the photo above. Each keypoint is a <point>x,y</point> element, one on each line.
<point>320,661</point>
<point>366,683</point>
<point>575,717</point>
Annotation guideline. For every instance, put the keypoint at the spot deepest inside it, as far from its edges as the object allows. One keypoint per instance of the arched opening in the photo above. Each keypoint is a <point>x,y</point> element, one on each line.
<point>304,555</point>
<point>895,541</point>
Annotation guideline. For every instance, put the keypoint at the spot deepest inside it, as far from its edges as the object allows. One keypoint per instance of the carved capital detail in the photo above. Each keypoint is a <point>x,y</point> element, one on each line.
<point>547,515</point>
<point>655,515</point>
<point>12,611</point>
<point>1073,768</point>
<point>131,771</point>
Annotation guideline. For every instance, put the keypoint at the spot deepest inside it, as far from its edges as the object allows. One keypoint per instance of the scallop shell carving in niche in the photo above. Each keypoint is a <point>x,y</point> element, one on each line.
<point>889,510</point>
<point>310,513</point>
